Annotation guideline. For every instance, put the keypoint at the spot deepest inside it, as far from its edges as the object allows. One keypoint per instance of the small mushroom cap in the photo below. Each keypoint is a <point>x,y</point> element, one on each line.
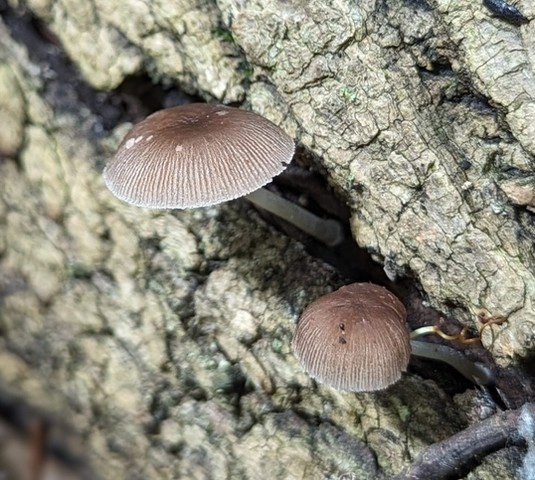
<point>197,155</point>
<point>354,339</point>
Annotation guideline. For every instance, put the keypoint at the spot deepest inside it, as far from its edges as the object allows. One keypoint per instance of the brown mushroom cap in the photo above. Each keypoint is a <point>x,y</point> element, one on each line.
<point>197,155</point>
<point>354,338</point>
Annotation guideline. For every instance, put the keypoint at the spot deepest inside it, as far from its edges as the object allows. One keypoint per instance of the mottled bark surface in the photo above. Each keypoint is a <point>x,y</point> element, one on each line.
<point>160,340</point>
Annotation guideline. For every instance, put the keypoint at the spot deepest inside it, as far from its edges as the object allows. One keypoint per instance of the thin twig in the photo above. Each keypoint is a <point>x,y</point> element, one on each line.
<point>451,458</point>
<point>37,431</point>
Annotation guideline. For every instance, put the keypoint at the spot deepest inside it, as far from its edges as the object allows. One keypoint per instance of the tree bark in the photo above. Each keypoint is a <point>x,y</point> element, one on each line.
<point>163,338</point>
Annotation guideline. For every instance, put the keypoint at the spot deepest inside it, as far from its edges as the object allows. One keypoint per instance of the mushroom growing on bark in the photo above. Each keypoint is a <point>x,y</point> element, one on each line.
<point>198,154</point>
<point>356,339</point>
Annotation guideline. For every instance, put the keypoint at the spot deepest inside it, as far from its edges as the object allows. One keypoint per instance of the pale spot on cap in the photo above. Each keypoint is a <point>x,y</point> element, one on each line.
<point>225,153</point>
<point>354,339</point>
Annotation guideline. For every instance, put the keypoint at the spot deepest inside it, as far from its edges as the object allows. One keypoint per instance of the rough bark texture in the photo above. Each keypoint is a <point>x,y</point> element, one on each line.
<point>162,338</point>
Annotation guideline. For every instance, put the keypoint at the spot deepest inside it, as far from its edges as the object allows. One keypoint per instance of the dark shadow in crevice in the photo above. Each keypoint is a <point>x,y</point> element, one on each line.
<point>68,93</point>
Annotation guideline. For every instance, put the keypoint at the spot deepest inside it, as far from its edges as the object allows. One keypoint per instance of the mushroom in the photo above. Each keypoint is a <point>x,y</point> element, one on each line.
<point>356,339</point>
<point>198,155</point>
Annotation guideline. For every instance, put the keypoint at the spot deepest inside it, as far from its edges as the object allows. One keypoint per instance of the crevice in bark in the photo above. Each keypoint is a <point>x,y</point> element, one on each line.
<point>48,439</point>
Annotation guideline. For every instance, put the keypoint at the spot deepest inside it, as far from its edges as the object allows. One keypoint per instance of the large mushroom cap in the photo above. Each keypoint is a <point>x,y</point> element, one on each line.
<point>197,155</point>
<point>354,338</point>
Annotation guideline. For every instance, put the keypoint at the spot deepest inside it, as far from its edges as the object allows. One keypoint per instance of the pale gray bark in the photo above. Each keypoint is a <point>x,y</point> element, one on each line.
<point>163,338</point>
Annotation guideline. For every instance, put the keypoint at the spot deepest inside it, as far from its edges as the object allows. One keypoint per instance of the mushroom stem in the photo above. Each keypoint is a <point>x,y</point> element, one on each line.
<point>473,371</point>
<point>329,232</point>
